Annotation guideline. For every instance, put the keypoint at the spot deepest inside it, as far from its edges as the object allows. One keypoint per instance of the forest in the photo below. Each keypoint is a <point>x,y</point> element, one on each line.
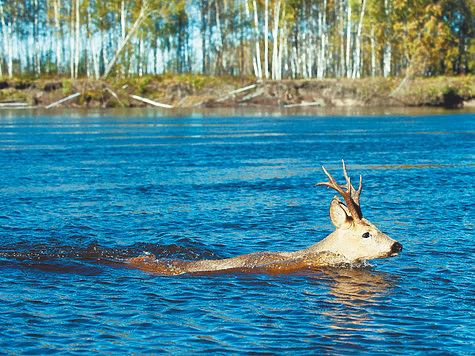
<point>270,39</point>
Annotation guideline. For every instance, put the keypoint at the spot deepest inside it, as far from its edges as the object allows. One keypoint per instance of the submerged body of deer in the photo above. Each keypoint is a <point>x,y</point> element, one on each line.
<point>354,240</point>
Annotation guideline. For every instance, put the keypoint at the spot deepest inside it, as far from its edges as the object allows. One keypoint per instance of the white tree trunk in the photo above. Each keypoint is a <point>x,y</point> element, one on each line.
<point>310,58</point>
<point>76,44</point>
<point>36,53</point>
<point>282,45</point>
<point>387,46</point>
<point>310,45</point>
<point>275,35</point>
<point>88,43</point>
<point>142,16</point>
<point>348,43</point>
<point>342,41</point>
<point>319,46</point>
<point>122,21</point>
<point>322,45</point>
<point>57,25</point>
<point>302,52</point>
<point>227,38</point>
<point>387,60</point>
<point>324,40</point>
<point>258,50</point>
<point>140,58</point>
<point>220,37</point>
<point>123,27</point>
<point>7,41</point>
<point>293,62</point>
<point>218,26</point>
<point>95,56</point>
<point>251,47</point>
<point>10,50</point>
<point>253,55</point>
<point>373,55</point>
<point>357,64</point>
<point>71,40</point>
<point>266,39</point>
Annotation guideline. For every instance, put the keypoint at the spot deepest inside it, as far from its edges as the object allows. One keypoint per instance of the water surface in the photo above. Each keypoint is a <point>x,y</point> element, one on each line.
<point>82,192</point>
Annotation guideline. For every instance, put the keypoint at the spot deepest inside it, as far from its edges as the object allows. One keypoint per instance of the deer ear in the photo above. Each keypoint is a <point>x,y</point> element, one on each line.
<point>339,214</point>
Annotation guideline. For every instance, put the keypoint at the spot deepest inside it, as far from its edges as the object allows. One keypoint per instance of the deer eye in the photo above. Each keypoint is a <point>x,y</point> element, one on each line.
<point>366,235</point>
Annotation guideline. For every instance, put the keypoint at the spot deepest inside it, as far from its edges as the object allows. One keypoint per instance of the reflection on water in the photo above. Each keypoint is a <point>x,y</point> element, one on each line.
<point>358,287</point>
<point>244,110</point>
<point>82,192</point>
<point>409,166</point>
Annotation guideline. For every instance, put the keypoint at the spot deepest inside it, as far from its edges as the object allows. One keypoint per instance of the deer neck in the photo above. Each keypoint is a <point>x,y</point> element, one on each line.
<point>328,244</point>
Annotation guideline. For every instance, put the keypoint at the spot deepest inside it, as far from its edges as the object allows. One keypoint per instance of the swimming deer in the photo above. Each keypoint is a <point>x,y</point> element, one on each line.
<point>354,240</point>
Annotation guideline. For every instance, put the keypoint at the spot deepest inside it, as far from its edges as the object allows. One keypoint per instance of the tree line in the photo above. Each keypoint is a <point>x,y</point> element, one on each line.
<point>273,39</point>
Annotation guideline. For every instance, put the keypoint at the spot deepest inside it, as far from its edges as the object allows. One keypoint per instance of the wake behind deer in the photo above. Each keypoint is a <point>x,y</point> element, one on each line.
<point>354,240</point>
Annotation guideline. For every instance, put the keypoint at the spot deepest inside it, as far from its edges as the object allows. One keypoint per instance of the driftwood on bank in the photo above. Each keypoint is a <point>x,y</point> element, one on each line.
<point>403,82</point>
<point>114,95</point>
<point>231,93</point>
<point>252,95</point>
<point>315,103</point>
<point>13,106</point>
<point>151,102</point>
<point>62,100</point>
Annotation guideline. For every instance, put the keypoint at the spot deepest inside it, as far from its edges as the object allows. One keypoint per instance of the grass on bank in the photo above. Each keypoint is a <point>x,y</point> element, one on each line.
<point>438,91</point>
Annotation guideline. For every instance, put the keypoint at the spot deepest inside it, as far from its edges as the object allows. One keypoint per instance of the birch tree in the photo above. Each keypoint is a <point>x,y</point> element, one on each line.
<point>270,38</point>
<point>275,37</point>
<point>203,4</point>
<point>146,10</point>
<point>7,25</point>
<point>341,16</point>
<point>357,64</point>
<point>58,33</point>
<point>348,41</point>
<point>266,39</point>
<point>256,40</point>
<point>76,40</point>
<point>322,46</point>
<point>387,50</point>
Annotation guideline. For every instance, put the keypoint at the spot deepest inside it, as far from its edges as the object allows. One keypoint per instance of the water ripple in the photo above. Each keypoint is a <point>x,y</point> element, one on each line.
<point>82,194</point>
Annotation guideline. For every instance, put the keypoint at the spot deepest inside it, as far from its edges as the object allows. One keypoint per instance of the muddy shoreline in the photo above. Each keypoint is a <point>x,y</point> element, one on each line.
<point>194,91</point>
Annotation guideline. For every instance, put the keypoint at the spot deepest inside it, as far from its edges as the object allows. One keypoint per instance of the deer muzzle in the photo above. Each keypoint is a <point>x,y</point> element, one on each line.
<point>395,249</point>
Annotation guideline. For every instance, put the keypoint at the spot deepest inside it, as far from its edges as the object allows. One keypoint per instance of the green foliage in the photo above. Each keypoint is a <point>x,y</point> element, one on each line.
<point>466,87</point>
<point>90,96</point>
<point>12,94</point>
<point>143,82</point>
<point>67,85</point>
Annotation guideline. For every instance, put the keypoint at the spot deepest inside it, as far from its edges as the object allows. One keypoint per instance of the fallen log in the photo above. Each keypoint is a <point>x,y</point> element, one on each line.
<point>252,95</point>
<point>315,103</point>
<point>151,102</point>
<point>114,95</point>
<point>231,93</point>
<point>252,86</point>
<point>13,105</point>
<point>62,100</point>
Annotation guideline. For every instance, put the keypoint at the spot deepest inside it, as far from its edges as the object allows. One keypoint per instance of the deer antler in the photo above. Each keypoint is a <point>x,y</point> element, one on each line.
<point>351,196</point>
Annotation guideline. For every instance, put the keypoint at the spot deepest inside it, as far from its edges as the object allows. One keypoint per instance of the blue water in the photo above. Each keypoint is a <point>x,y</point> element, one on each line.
<point>79,194</point>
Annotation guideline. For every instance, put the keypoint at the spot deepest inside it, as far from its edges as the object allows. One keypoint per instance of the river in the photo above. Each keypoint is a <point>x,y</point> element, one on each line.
<point>83,191</point>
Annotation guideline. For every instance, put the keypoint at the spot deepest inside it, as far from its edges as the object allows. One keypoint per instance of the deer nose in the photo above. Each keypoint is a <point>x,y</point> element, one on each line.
<point>396,247</point>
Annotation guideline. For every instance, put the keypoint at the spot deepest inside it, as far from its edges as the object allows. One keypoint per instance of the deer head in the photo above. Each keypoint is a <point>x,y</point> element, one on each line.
<point>355,237</point>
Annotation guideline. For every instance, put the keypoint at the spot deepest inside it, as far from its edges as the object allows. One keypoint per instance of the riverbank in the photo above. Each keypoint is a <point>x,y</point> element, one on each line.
<point>194,91</point>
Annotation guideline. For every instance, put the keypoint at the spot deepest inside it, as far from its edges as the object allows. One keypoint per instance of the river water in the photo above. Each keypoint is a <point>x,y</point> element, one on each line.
<point>81,192</point>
